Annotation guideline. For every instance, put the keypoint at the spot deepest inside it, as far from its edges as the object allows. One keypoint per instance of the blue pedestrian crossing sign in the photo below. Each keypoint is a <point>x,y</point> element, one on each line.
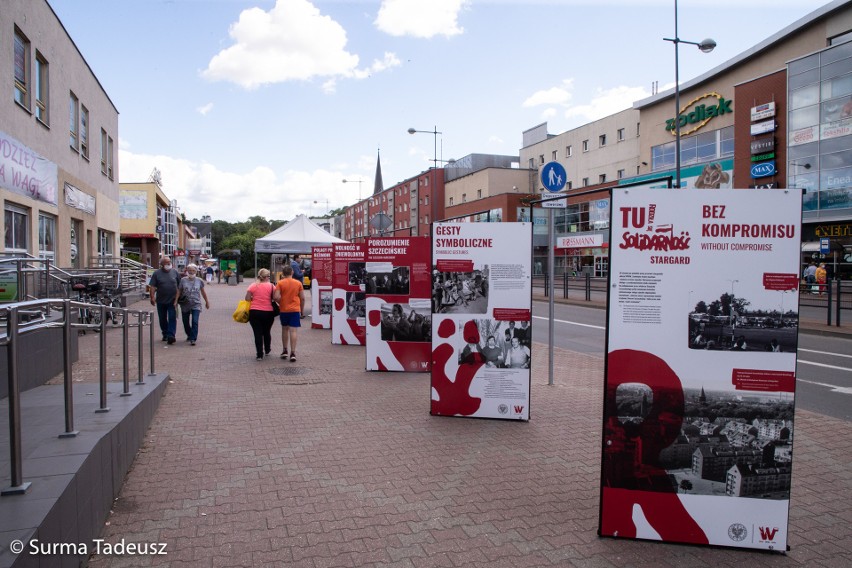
<point>553,176</point>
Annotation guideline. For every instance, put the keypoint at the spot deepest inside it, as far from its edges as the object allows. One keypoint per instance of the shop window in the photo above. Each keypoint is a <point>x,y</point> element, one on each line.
<point>16,228</point>
<point>46,236</point>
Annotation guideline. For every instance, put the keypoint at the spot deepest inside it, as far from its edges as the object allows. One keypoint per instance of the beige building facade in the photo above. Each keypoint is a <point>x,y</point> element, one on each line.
<point>58,143</point>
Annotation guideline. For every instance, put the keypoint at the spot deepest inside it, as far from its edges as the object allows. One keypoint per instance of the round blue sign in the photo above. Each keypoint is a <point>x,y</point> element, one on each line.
<point>553,176</point>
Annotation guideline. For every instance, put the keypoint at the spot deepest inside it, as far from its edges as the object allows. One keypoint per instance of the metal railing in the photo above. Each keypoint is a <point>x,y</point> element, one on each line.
<point>133,274</point>
<point>835,297</point>
<point>39,278</point>
<point>66,309</point>
<point>582,287</point>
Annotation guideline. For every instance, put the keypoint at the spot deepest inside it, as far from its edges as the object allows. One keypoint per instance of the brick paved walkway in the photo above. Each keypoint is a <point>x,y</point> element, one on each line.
<point>321,464</point>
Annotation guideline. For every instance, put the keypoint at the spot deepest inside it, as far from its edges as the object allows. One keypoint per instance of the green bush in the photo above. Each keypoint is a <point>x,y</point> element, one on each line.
<point>249,274</point>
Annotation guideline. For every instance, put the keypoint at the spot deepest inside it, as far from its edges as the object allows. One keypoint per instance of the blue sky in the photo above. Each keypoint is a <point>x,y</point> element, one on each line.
<point>261,107</point>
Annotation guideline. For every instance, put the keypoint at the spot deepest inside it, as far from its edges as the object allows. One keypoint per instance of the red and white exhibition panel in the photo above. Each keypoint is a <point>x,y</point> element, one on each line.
<point>701,362</point>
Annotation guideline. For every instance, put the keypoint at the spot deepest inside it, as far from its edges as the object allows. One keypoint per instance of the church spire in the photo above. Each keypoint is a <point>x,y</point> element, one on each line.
<point>379,184</point>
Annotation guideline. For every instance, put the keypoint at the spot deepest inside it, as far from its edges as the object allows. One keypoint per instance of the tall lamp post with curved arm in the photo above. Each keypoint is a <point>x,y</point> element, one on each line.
<point>434,167</point>
<point>358,181</point>
<point>706,46</point>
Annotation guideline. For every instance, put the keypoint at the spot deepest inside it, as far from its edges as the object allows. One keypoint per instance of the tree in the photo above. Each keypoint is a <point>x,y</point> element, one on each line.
<point>701,307</point>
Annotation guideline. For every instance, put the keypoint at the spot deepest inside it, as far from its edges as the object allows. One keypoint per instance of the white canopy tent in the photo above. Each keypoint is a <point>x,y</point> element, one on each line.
<point>297,236</point>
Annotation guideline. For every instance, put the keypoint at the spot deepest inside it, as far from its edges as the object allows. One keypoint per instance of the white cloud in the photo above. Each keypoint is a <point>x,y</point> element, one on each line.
<point>291,42</point>
<point>203,189</point>
<point>604,102</point>
<point>420,18</point>
<point>203,110</point>
<point>607,101</point>
<point>559,95</point>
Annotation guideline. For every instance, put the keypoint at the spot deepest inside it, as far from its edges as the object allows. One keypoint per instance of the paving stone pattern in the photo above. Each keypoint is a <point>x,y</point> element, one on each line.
<point>321,464</point>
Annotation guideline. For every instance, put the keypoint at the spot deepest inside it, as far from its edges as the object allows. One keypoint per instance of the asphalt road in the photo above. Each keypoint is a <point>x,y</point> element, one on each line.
<point>824,371</point>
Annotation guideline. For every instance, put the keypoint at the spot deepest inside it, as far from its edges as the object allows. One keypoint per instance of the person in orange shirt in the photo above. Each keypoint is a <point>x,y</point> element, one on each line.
<point>290,295</point>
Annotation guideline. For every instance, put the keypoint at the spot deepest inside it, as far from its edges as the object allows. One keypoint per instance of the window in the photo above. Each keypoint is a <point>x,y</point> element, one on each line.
<point>22,69</point>
<point>74,121</point>
<point>541,158</point>
<point>479,194</point>
<point>570,185</point>
<point>620,134</point>
<point>103,151</point>
<point>451,200</point>
<point>41,88</point>
<point>109,157</point>
<point>532,163</point>
<point>585,182</point>
<point>84,132</point>
<point>585,145</point>
<point>105,240</point>
<point>569,151</point>
<point>602,140</point>
<point>464,198</point>
<point>553,155</point>
<point>46,236</point>
<point>620,174</point>
<point>16,229</point>
<point>602,178</point>
<point>425,201</point>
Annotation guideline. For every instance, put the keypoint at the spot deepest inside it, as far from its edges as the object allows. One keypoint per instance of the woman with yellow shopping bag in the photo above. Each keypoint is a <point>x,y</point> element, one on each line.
<point>261,314</point>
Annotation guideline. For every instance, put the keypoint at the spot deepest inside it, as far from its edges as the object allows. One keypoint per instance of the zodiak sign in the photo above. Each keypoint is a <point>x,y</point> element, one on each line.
<point>701,114</point>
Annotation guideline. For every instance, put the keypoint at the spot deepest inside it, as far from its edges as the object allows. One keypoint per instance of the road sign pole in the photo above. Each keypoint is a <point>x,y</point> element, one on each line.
<point>553,179</point>
<point>551,235</point>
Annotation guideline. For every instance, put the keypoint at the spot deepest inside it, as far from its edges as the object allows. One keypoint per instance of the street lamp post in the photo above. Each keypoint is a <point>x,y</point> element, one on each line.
<point>359,181</point>
<point>434,168</point>
<point>435,134</point>
<point>706,46</point>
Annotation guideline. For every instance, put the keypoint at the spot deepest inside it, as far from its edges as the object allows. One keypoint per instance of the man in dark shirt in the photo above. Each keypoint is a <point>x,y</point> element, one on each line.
<point>163,288</point>
<point>296,263</point>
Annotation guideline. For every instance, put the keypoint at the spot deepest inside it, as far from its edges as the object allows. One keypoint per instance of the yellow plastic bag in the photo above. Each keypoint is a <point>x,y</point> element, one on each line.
<point>241,314</point>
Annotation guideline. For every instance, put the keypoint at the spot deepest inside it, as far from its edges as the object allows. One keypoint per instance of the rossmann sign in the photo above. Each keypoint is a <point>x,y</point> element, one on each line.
<point>702,113</point>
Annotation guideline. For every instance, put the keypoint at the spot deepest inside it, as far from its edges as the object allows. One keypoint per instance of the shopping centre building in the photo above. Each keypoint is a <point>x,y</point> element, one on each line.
<point>776,116</point>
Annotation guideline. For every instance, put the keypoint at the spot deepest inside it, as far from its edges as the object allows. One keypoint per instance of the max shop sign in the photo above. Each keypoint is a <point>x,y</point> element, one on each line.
<point>762,145</point>
<point>763,169</point>
<point>701,114</point>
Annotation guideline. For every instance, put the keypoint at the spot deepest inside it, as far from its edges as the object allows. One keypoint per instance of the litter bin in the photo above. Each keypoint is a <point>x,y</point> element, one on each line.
<point>232,281</point>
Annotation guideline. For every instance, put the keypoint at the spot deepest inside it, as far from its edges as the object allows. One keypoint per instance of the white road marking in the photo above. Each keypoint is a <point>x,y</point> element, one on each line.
<point>834,388</point>
<point>824,365</point>
<point>571,323</point>
<point>826,353</point>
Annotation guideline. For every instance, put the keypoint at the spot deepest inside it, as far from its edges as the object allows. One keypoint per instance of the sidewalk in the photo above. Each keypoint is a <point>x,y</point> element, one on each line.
<point>321,464</point>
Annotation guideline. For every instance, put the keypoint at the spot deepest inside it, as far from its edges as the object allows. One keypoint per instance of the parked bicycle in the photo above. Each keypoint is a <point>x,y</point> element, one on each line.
<point>92,293</point>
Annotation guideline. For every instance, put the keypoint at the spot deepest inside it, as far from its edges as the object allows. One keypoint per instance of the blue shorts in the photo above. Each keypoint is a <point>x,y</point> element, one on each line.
<point>291,319</point>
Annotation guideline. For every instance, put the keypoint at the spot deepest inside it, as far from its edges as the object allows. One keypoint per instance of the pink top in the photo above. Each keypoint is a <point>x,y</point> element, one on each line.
<point>261,296</point>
